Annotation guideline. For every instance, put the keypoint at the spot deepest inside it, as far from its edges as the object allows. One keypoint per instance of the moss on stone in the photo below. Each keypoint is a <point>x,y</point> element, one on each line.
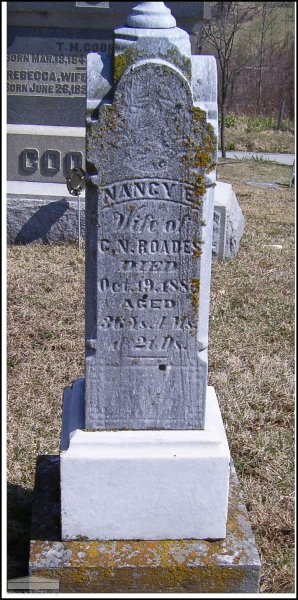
<point>134,53</point>
<point>124,60</point>
<point>165,578</point>
<point>195,290</point>
<point>200,153</point>
<point>181,62</point>
<point>197,251</point>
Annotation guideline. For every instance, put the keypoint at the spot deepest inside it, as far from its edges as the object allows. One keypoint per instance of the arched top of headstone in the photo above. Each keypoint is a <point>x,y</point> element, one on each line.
<point>151,32</point>
<point>151,15</point>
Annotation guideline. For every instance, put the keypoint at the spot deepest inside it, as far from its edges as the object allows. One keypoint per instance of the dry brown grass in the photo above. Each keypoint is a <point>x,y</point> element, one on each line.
<point>251,367</point>
<point>238,170</point>
<point>45,353</point>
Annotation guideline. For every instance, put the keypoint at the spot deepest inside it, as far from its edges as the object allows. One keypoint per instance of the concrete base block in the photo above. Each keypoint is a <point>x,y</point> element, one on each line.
<point>226,566</point>
<point>148,485</point>
<point>47,221</point>
<point>228,222</point>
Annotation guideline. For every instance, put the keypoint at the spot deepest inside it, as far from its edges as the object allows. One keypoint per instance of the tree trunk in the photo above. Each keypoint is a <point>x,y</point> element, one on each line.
<point>259,91</point>
<point>281,113</point>
<point>260,69</point>
<point>222,130</point>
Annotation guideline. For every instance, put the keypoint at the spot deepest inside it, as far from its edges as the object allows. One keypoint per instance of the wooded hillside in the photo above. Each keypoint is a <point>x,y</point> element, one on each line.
<point>253,43</point>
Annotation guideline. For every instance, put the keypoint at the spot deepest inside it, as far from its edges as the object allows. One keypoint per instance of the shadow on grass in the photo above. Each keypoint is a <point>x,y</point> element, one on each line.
<point>19,507</point>
<point>33,515</point>
<point>38,226</point>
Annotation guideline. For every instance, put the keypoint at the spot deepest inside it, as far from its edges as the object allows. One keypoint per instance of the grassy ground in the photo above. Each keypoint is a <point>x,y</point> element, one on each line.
<point>251,366</point>
<point>258,135</point>
<point>255,170</point>
<point>252,363</point>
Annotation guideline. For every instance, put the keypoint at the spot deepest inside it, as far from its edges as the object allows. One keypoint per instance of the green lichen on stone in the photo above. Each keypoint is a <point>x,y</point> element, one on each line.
<point>181,62</point>
<point>199,187</point>
<point>199,115</point>
<point>195,290</point>
<point>197,250</point>
<point>199,158</point>
<point>124,60</point>
<point>144,51</point>
<point>204,157</point>
<point>164,579</point>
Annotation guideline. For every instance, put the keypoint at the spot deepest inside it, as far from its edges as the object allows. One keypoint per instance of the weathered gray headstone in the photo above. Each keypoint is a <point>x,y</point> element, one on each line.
<point>144,453</point>
<point>149,151</point>
<point>228,222</point>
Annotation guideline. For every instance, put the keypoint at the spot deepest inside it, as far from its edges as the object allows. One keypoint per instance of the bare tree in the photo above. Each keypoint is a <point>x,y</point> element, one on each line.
<point>271,52</point>
<point>262,47</point>
<point>286,63</point>
<point>220,35</point>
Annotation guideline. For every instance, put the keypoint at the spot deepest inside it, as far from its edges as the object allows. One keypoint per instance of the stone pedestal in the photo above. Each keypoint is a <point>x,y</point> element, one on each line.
<point>143,484</point>
<point>231,565</point>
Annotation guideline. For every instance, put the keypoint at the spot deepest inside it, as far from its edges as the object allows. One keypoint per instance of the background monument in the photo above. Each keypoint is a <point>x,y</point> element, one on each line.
<point>48,44</point>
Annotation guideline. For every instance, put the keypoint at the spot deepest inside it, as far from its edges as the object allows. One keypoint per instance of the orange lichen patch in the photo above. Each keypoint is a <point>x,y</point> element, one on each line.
<point>199,158</point>
<point>182,578</point>
<point>195,289</point>
<point>141,553</point>
<point>205,140</point>
<point>197,248</point>
<point>199,187</point>
<point>153,566</point>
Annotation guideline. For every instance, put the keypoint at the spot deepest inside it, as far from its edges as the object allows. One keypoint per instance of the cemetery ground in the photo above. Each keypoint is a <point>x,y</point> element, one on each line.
<point>251,364</point>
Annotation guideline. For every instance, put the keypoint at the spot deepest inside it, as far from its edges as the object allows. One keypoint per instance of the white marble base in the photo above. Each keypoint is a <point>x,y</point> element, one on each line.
<point>145,484</point>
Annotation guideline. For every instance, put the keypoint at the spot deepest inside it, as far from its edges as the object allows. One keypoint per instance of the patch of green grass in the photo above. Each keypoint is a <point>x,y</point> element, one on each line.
<point>11,362</point>
<point>230,121</point>
<point>258,134</point>
<point>259,123</point>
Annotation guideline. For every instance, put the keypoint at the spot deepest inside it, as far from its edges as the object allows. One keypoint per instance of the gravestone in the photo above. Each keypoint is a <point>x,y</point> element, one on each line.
<point>143,368</point>
<point>149,203</point>
<point>144,455</point>
<point>228,222</point>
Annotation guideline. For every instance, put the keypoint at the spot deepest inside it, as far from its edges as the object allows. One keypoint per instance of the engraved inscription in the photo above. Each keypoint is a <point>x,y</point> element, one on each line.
<point>144,208</point>
<point>45,82</point>
<point>61,72</point>
<point>29,160</point>
<point>50,162</point>
<point>148,266</point>
<point>147,189</point>
<point>73,160</point>
<point>216,232</point>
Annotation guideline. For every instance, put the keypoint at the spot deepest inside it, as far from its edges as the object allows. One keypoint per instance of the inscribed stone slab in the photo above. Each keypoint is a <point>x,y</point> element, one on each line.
<point>143,368</point>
